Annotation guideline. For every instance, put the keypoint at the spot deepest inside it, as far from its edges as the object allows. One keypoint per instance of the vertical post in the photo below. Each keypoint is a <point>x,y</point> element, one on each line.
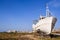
<point>47,11</point>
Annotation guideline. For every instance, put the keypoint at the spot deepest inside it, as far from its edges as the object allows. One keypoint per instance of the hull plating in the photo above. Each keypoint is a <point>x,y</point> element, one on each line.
<point>45,25</point>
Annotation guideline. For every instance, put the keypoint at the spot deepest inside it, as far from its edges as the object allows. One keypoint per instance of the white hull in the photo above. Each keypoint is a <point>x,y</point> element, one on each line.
<point>45,25</point>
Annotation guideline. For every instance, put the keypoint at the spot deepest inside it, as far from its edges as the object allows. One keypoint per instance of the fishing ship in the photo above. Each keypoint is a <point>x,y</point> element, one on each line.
<point>45,24</point>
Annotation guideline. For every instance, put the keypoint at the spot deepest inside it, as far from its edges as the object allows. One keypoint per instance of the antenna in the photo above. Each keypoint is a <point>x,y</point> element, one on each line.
<point>47,11</point>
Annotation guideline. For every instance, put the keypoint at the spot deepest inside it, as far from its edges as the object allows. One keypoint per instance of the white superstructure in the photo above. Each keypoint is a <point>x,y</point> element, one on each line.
<point>45,24</point>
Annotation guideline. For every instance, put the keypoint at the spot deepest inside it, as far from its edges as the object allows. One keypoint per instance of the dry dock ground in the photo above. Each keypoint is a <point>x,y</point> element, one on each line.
<point>24,36</point>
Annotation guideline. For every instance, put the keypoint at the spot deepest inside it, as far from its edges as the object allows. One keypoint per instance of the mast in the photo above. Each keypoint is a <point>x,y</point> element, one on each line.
<point>47,11</point>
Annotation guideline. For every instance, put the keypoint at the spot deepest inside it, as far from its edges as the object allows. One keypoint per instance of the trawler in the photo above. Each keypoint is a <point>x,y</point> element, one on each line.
<point>45,24</point>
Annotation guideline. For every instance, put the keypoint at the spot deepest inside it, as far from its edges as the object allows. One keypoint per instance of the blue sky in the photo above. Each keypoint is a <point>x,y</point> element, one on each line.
<point>19,14</point>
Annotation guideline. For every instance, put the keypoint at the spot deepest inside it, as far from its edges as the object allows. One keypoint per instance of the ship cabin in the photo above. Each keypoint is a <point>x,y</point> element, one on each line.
<point>42,17</point>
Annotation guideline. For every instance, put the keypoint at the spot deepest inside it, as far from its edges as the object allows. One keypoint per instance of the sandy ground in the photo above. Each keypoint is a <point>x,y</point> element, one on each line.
<point>30,37</point>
